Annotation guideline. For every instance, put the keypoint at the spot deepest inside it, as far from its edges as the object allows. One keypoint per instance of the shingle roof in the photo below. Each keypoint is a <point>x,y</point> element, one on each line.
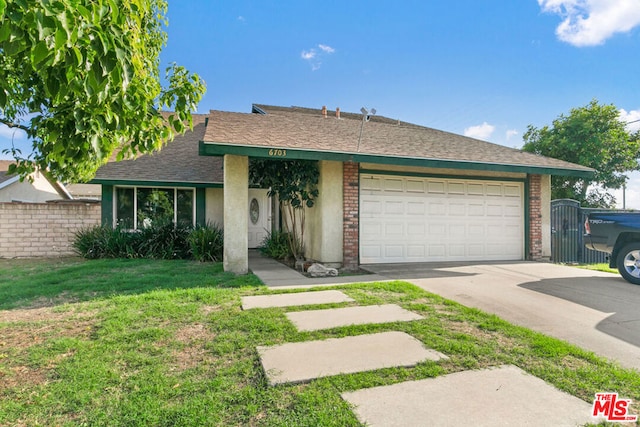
<point>177,162</point>
<point>306,129</point>
<point>4,167</point>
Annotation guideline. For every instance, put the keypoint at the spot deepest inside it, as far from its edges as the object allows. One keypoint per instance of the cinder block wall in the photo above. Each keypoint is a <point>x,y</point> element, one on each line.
<point>30,230</point>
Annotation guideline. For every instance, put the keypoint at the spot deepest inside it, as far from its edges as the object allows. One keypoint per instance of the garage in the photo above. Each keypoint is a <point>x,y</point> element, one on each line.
<point>427,219</point>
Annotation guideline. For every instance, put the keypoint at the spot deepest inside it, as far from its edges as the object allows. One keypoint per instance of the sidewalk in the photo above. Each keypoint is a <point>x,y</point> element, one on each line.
<point>274,274</point>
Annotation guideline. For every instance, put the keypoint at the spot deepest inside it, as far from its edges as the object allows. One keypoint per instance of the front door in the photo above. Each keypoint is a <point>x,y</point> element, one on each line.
<point>259,216</point>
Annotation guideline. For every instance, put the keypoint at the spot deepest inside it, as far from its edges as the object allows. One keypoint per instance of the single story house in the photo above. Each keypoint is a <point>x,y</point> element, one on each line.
<point>390,191</point>
<point>39,187</point>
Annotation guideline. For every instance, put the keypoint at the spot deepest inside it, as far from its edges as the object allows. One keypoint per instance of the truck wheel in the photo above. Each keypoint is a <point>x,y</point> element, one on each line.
<point>628,263</point>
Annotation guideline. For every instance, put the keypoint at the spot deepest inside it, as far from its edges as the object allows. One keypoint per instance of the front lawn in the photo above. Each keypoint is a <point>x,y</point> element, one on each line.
<point>165,343</point>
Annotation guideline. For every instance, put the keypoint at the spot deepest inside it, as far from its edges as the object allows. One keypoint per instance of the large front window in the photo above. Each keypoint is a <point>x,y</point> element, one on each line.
<point>141,207</point>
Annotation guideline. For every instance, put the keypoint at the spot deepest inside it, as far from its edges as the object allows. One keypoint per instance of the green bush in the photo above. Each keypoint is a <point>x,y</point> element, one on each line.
<point>206,243</point>
<point>164,240</point>
<point>276,245</point>
<point>159,241</point>
<point>106,242</point>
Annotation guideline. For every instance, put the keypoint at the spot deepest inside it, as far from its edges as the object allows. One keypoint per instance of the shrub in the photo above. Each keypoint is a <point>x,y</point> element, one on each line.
<point>276,245</point>
<point>164,240</point>
<point>106,242</point>
<point>206,243</point>
<point>158,241</point>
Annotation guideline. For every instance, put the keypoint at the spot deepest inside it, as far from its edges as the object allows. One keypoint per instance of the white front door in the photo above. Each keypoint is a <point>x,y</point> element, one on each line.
<point>259,216</point>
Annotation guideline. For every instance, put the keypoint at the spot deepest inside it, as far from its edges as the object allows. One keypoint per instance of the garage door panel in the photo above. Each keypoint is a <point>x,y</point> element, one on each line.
<point>368,206</point>
<point>475,189</point>
<point>432,219</point>
<point>436,187</point>
<point>455,188</point>
<point>414,186</point>
<point>394,251</point>
<point>393,185</point>
<point>415,251</point>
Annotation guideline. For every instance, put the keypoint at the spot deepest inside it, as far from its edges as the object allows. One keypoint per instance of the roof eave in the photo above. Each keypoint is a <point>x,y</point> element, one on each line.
<point>220,149</point>
<point>154,183</point>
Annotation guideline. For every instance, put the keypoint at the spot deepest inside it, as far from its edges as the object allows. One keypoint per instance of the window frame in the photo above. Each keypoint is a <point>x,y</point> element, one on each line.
<point>135,202</point>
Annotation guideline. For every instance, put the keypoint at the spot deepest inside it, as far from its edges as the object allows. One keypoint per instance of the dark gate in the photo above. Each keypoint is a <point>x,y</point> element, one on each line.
<point>567,234</point>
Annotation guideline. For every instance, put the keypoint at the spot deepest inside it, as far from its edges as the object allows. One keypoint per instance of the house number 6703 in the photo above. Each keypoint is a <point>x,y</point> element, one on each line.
<point>277,153</point>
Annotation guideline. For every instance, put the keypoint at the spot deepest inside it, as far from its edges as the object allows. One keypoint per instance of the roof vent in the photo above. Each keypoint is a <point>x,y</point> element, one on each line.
<point>337,112</point>
<point>324,111</point>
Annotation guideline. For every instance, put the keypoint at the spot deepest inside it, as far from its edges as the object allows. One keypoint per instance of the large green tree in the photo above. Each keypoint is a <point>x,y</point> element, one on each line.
<point>82,78</point>
<point>591,136</point>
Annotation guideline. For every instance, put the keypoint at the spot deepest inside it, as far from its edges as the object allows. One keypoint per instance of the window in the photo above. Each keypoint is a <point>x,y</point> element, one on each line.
<point>140,207</point>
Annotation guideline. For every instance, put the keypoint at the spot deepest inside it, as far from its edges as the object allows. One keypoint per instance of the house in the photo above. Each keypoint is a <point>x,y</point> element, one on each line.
<point>390,191</point>
<point>39,187</point>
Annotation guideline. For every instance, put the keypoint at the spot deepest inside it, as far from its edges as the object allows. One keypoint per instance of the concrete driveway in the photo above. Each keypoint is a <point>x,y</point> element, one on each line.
<point>596,311</point>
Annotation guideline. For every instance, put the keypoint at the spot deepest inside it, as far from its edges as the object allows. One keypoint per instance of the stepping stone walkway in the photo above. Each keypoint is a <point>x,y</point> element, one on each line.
<point>290,300</point>
<point>304,361</point>
<point>491,397</point>
<point>315,320</point>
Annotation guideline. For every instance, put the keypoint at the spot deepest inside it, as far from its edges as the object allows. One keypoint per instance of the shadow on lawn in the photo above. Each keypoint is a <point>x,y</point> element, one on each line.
<point>50,282</point>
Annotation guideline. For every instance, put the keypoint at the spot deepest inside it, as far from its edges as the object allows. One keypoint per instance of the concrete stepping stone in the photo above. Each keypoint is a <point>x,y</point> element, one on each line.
<point>315,320</point>
<point>290,300</point>
<point>504,396</point>
<point>305,361</point>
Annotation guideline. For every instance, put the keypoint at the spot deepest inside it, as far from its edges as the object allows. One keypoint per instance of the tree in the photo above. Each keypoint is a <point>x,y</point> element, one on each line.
<point>82,79</point>
<point>591,136</point>
<point>295,182</point>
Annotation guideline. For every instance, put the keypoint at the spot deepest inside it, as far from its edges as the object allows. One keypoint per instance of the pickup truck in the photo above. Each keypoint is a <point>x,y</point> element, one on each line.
<point>618,234</point>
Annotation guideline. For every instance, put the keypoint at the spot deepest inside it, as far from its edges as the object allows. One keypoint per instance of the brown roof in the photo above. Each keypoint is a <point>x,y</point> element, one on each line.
<point>307,130</point>
<point>177,162</point>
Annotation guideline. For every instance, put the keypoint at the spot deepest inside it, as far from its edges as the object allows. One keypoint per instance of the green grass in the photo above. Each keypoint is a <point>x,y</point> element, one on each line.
<point>165,343</point>
<point>599,267</point>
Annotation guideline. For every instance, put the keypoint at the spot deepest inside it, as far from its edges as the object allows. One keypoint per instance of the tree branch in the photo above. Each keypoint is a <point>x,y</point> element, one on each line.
<point>14,125</point>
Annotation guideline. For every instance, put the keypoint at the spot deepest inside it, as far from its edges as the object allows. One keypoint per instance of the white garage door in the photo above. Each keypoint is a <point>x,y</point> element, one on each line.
<point>407,219</point>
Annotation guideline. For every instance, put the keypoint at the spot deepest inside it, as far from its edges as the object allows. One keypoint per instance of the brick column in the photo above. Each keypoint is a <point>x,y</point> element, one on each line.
<point>535,218</point>
<point>350,220</point>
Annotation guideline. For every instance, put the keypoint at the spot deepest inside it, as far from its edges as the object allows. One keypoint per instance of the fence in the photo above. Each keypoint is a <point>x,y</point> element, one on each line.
<point>43,229</point>
<point>567,234</point>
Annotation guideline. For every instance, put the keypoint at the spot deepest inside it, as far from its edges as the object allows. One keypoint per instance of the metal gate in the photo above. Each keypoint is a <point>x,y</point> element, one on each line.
<point>567,234</point>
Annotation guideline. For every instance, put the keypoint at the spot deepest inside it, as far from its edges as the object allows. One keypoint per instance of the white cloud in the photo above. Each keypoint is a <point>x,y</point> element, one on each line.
<point>11,133</point>
<point>483,131</point>
<point>308,54</point>
<point>591,22</point>
<point>325,48</point>
<point>241,19</point>
<point>511,133</point>
<point>631,116</point>
<point>314,58</point>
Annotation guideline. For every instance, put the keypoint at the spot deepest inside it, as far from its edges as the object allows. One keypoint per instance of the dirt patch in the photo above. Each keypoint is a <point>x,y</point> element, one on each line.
<point>194,338</point>
<point>26,328</point>
<point>22,376</point>
<point>208,309</point>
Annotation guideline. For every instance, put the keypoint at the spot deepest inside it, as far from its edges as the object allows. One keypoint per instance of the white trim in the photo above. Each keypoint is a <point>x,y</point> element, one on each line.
<point>9,182</point>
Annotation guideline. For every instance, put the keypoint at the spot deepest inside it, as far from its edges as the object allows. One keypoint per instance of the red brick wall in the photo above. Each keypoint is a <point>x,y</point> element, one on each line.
<point>535,218</point>
<point>29,230</point>
<point>350,223</point>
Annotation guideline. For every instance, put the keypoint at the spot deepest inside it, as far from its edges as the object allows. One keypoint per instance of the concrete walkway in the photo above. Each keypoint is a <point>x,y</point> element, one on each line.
<point>274,274</point>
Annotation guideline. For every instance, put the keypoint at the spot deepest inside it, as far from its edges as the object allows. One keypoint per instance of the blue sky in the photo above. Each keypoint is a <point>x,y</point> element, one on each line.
<point>482,68</point>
